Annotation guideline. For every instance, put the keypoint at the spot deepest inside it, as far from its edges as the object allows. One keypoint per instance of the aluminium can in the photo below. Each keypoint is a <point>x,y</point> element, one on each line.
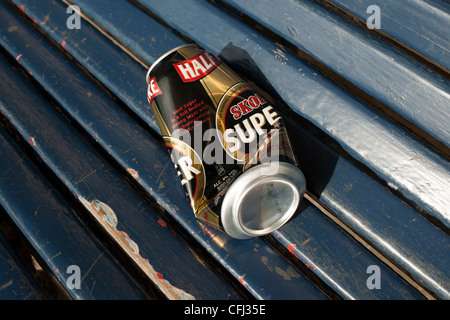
<point>228,143</point>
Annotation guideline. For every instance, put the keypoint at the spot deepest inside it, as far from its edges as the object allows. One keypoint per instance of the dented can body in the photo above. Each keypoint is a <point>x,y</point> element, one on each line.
<point>228,143</point>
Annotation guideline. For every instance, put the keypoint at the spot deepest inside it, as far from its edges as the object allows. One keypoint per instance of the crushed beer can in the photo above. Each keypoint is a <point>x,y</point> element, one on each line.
<point>228,144</point>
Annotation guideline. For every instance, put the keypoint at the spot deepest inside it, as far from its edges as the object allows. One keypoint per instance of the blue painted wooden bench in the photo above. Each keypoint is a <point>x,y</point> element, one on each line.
<point>86,181</point>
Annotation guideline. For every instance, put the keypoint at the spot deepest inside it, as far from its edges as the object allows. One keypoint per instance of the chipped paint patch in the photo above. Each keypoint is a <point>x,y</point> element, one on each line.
<point>133,173</point>
<point>12,28</point>
<point>6,285</point>
<point>291,249</point>
<point>241,279</point>
<point>280,55</point>
<point>162,223</point>
<point>108,220</point>
<point>33,141</point>
<point>288,274</point>
<point>392,186</point>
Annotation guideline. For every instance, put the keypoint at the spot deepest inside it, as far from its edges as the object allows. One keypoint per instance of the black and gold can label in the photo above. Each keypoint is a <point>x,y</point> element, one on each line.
<point>215,126</point>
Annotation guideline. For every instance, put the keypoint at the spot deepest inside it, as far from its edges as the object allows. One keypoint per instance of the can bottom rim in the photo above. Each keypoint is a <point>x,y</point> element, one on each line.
<point>262,200</point>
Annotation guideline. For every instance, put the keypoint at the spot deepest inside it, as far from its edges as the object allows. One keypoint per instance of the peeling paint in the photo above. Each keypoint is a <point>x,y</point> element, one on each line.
<point>7,284</point>
<point>108,220</point>
<point>13,28</point>
<point>33,141</point>
<point>45,19</point>
<point>241,279</point>
<point>162,223</point>
<point>288,274</point>
<point>133,173</point>
<point>265,260</point>
<point>291,249</point>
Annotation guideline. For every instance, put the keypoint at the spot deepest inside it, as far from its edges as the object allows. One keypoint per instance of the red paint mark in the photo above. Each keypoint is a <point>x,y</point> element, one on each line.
<point>162,223</point>
<point>159,276</point>
<point>57,271</point>
<point>291,249</point>
<point>33,141</point>
<point>307,265</point>
<point>151,190</point>
<point>241,279</point>
<point>18,57</point>
<point>313,266</point>
<point>64,43</point>
<point>34,20</point>
<point>31,73</point>
<point>133,173</point>
<point>21,8</point>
